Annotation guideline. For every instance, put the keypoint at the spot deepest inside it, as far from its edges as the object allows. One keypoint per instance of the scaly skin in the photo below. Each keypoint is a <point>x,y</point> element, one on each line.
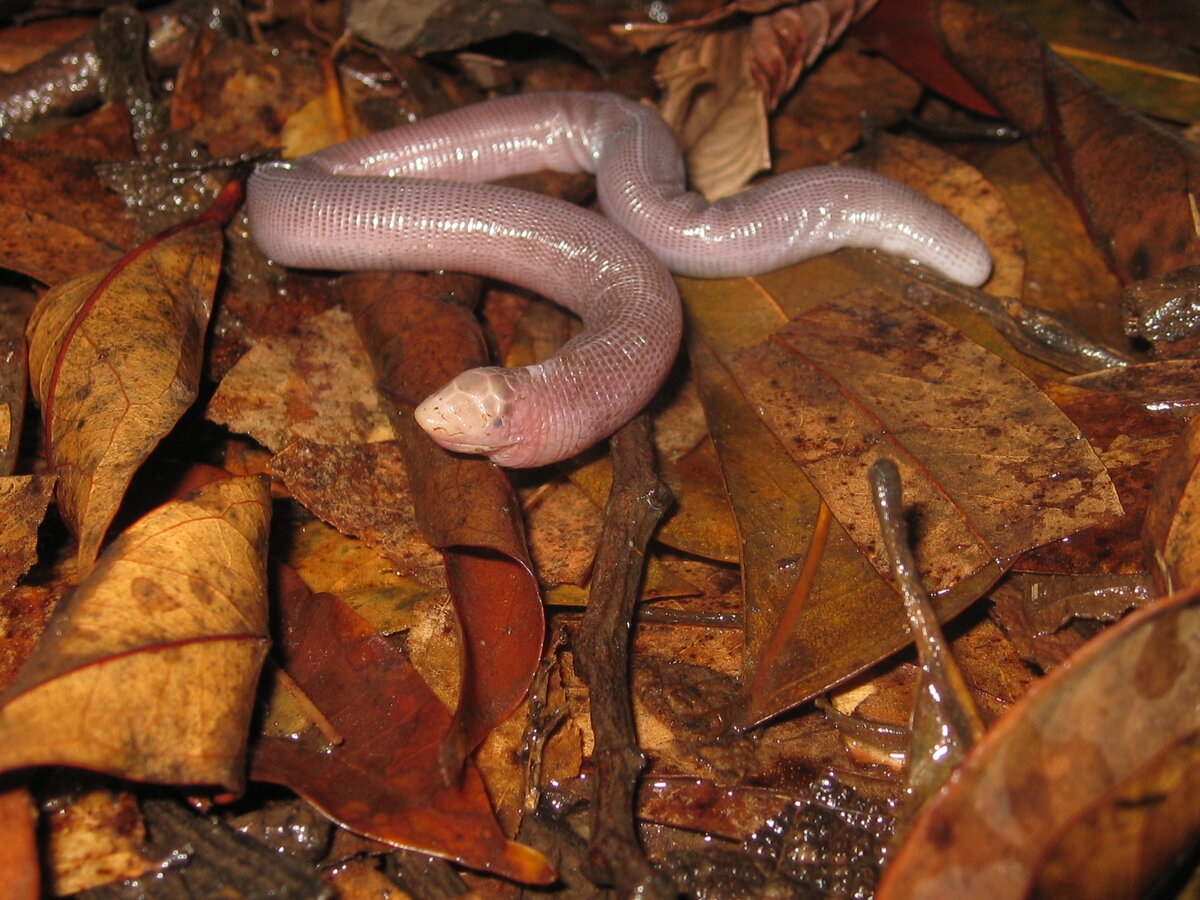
<point>373,203</point>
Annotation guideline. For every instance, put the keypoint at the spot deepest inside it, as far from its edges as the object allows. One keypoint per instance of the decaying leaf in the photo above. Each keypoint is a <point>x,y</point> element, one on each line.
<point>315,385</point>
<point>382,780</point>
<point>1129,177</point>
<point>363,490</point>
<point>147,670</point>
<point>114,361</point>
<point>1173,516</point>
<point>1081,735</point>
<point>992,467</point>
<point>23,502</point>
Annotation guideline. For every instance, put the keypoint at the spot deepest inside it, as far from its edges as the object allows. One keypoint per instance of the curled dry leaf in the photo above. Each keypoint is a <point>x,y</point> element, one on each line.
<point>466,507</point>
<point>114,360</point>
<point>1124,704</point>
<point>147,670</point>
<point>721,76</point>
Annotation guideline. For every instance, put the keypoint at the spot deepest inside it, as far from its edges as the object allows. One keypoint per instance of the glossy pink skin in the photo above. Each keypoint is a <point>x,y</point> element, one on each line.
<point>372,203</point>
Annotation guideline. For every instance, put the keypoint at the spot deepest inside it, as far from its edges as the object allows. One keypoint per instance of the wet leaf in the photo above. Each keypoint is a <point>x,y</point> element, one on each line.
<point>1129,178</point>
<point>382,781</point>
<point>147,670</point>
<point>419,339</point>
<point>991,466</point>
<point>1065,272</point>
<point>1086,731</point>
<point>114,361</point>
<point>1154,76</point>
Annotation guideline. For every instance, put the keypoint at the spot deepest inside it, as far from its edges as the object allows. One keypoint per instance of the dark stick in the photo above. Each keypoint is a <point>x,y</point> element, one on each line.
<point>636,504</point>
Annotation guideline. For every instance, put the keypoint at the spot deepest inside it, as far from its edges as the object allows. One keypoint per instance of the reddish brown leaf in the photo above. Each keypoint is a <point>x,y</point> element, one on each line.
<point>147,670</point>
<point>465,506</point>
<point>384,781</point>
<point>1130,178</point>
<point>20,867</point>
<point>1088,730</point>
<point>115,358</point>
<point>904,32</point>
<point>1131,443</point>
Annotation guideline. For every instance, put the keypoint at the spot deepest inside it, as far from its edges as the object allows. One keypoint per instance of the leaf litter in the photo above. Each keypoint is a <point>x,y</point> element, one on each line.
<point>414,698</point>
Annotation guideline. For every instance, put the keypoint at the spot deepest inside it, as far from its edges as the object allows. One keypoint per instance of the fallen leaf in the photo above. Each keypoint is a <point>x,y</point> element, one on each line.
<point>97,840</point>
<point>420,339</point>
<point>363,491</point>
<point>147,670</point>
<point>990,465</point>
<point>23,503</point>
<point>1064,271</point>
<point>1131,179</point>
<point>12,400</point>
<point>315,384</point>
<point>114,360</point>
<point>56,219</point>
<point>1154,76</point>
<point>382,781</point>
<point>904,32</point>
<point>1173,516</point>
<point>1082,733</point>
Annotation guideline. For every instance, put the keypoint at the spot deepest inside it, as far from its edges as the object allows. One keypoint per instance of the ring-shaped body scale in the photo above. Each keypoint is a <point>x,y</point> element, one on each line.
<point>413,198</point>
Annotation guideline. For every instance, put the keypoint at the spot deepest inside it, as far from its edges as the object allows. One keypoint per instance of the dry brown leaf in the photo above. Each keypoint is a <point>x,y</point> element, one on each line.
<point>114,361</point>
<point>56,219</point>
<point>316,384</point>
<point>147,670</point>
<point>1172,528</point>
<point>991,465</point>
<point>23,502</point>
<point>1088,730</point>
<point>362,490</point>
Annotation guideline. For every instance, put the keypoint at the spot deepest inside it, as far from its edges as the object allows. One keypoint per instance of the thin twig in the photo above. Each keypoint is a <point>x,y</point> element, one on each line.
<point>636,504</point>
